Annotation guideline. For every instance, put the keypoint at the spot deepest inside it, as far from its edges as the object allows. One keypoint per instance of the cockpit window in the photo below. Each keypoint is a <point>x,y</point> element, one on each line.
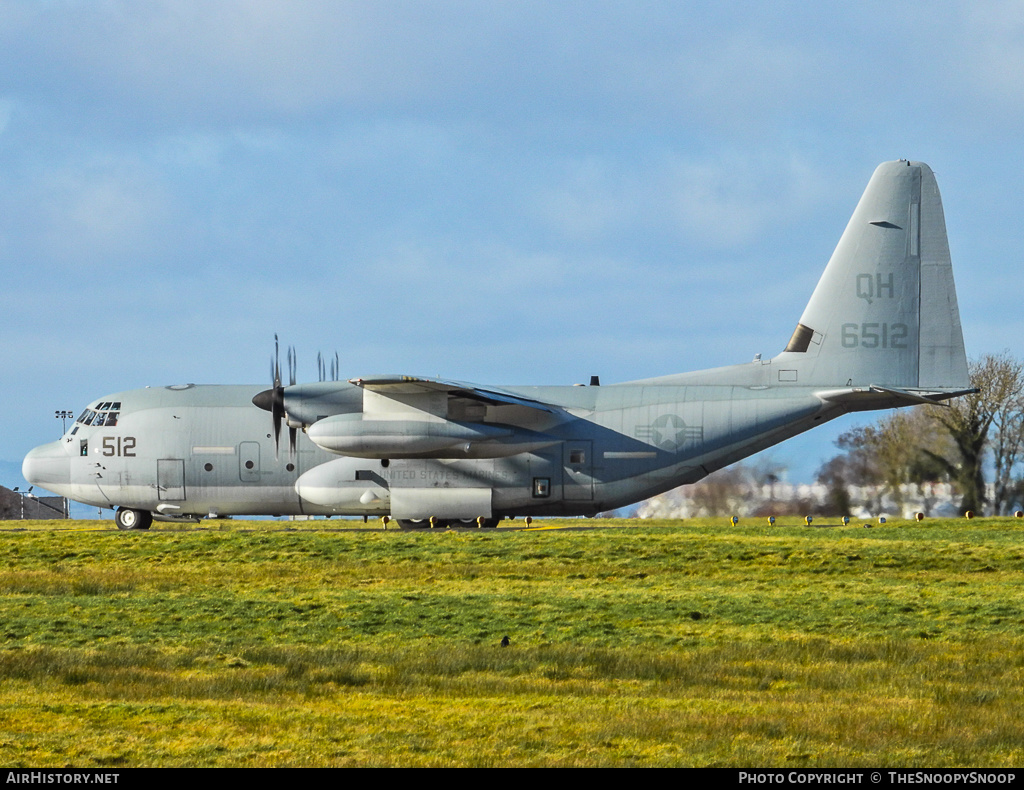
<point>106,414</point>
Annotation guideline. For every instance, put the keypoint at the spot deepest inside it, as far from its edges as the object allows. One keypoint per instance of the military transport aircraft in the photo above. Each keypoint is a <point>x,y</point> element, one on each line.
<point>882,330</point>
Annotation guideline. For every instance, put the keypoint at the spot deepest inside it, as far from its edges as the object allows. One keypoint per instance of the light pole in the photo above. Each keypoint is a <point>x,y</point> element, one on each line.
<point>63,416</point>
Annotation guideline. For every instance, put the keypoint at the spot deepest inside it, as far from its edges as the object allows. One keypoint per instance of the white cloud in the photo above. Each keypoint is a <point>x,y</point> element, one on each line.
<point>734,198</point>
<point>723,201</point>
<point>593,200</point>
<point>87,218</point>
<point>182,62</point>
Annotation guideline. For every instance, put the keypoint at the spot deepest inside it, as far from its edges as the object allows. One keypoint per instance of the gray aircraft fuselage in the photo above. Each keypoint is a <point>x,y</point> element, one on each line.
<point>613,445</point>
<point>882,330</point>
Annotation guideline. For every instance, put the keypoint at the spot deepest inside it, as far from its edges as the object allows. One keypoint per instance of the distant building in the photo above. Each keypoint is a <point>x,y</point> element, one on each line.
<point>744,498</point>
<point>16,505</point>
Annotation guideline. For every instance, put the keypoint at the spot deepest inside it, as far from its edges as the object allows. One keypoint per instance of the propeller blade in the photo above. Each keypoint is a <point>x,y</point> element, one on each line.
<point>277,364</point>
<point>276,414</point>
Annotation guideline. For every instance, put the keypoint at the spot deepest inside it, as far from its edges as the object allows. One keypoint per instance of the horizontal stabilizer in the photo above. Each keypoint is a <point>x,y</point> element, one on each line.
<point>929,398</point>
<point>875,396</point>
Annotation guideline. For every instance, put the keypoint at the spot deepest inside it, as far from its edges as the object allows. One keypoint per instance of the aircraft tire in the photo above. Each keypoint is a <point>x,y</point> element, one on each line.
<point>471,523</point>
<point>127,518</point>
<point>417,523</point>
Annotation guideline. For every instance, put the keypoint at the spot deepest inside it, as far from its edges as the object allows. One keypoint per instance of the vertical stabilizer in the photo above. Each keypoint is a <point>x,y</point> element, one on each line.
<point>885,309</point>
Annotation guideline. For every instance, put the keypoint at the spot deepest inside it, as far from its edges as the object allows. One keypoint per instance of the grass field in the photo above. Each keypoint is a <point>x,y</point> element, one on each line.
<point>635,643</point>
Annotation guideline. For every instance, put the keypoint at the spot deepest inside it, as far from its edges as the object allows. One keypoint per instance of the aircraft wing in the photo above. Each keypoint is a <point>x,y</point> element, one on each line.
<point>414,385</point>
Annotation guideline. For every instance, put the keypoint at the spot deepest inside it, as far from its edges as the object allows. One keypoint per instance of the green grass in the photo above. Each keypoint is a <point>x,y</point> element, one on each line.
<point>646,643</point>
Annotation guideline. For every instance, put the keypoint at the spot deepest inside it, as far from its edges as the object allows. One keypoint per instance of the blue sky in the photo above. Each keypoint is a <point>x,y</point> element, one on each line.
<point>501,192</point>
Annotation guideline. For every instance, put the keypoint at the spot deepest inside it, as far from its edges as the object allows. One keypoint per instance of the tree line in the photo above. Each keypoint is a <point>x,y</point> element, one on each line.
<point>970,441</point>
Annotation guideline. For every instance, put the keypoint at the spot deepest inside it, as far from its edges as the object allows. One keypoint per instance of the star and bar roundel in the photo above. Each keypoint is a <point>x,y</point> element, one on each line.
<point>669,432</point>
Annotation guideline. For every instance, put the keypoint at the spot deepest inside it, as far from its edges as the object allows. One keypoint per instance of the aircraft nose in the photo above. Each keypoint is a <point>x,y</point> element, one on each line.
<point>47,466</point>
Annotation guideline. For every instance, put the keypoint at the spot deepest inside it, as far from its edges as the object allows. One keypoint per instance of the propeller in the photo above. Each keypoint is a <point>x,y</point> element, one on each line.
<point>272,400</point>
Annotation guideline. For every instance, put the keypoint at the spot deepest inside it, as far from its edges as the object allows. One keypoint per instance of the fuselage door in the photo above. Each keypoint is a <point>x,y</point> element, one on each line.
<point>577,458</point>
<point>170,479</point>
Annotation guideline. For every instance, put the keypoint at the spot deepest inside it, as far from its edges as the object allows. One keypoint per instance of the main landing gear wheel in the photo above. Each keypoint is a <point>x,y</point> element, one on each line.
<point>472,523</point>
<point>420,523</point>
<point>126,518</point>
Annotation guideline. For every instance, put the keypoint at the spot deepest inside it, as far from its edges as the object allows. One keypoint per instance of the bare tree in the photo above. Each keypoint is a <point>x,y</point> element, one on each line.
<point>953,441</point>
<point>990,419</point>
<point>889,455</point>
<point>1008,440</point>
<point>740,489</point>
<point>722,492</point>
<point>857,465</point>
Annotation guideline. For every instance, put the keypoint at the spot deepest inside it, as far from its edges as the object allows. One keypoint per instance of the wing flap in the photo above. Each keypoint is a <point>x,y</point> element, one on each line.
<point>404,386</point>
